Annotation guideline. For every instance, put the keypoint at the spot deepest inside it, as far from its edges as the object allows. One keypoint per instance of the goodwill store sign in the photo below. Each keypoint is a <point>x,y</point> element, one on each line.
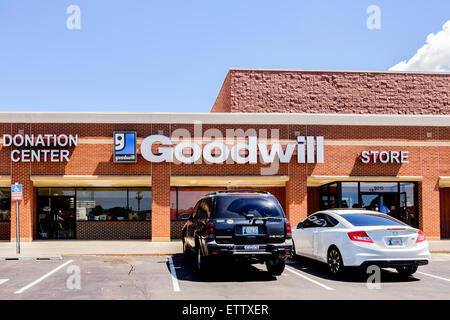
<point>159,148</point>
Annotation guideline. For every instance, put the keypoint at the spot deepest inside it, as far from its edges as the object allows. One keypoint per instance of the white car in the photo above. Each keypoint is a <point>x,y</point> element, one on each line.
<point>357,237</point>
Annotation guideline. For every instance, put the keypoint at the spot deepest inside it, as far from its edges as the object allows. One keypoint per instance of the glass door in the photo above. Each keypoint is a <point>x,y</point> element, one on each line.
<point>386,202</point>
<point>56,217</point>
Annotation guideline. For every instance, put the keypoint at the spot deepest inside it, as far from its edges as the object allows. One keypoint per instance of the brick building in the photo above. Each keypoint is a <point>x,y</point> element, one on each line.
<point>322,139</point>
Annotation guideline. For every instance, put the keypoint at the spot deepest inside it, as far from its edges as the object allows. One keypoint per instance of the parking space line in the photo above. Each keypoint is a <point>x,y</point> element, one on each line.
<point>433,276</point>
<point>42,278</point>
<point>2,281</point>
<point>173,273</point>
<point>307,278</point>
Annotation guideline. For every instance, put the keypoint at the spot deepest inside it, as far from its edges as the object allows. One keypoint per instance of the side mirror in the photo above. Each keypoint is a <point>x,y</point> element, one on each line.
<point>184,216</point>
<point>300,225</point>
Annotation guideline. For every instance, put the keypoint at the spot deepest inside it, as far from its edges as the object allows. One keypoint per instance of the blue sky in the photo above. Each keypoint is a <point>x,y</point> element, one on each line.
<point>172,56</point>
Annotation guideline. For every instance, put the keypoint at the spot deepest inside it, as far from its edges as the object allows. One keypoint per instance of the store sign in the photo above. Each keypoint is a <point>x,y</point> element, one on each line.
<point>384,156</point>
<point>125,147</point>
<point>309,150</point>
<point>40,148</point>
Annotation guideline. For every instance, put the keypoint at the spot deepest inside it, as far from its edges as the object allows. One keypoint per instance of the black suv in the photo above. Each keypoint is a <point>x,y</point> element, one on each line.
<point>244,225</point>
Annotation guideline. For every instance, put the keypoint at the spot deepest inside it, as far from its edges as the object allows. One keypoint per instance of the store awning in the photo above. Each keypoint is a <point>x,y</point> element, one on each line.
<point>91,181</point>
<point>444,182</point>
<point>315,181</point>
<point>223,181</point>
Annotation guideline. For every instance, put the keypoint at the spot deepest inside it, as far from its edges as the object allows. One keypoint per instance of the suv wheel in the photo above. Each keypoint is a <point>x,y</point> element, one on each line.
<point>293,255</point>
<point>185,249</point>
<point>334,260</point>
<point>201,261</point>
<point>407,271</point>
<point>275,267</point>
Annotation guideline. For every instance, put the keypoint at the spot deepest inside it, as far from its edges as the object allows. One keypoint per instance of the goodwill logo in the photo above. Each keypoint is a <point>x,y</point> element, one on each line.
<point>125,147</point>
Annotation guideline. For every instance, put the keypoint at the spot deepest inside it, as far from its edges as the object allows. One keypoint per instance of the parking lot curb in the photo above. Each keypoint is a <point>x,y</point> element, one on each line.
<point>30,257</point>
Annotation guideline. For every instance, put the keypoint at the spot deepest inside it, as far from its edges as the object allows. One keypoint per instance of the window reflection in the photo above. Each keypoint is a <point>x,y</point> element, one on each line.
<point>114,204</point>
<point>396,199</point>
<point>350,198</point>
<point>102,204</point>
<point>183,200</point>
<point>5,204</point>
<point>140,204</point>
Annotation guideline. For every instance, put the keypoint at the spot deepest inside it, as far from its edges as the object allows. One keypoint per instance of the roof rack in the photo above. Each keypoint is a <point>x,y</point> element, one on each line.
<point>237,191</point>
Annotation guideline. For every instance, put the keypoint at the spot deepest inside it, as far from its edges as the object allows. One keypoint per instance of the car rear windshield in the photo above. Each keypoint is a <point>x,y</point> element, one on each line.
<point>367,219</point>
<point>238,206</point>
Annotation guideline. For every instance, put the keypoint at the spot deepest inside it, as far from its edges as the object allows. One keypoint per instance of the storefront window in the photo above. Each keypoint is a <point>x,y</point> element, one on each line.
<point>350,195</point>
<point>324,204</point>
<point>5,204</point>
<point>102,204</point>
<point>140,204</point>
<point>396,199</point>
<point>407,205</point>
<point>333,196</point>
<point>379,187</point>
<point>70,192</point>
<point>183,200</point>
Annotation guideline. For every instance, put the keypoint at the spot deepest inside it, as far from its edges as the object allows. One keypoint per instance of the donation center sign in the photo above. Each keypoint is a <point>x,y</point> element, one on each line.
<point>309,150</point>
<point>40,147</point>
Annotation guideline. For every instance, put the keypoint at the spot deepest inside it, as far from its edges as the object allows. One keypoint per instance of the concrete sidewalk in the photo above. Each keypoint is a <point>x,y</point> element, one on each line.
<point>44,249</point>
<point>439,246</point>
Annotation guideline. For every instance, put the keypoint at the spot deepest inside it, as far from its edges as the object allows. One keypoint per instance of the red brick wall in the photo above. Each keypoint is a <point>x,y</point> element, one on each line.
<point>313,199</point>
<point>222,103</point>
<point>5,230</point>
<point>113,230</point>
<point>96,159</point>
<point>160,201</point>
<point>175,228</point>
<point>335,92</point>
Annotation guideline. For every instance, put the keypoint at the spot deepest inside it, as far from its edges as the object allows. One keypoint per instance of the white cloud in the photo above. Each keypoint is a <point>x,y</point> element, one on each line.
<point>433,56</point>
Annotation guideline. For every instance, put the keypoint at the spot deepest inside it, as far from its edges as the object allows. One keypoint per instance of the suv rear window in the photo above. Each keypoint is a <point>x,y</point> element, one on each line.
<point>367,219</point>
<point>238,206</point>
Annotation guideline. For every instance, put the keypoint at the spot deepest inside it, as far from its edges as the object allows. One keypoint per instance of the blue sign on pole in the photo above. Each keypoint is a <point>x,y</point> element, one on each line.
<point>16,188</point>
<point>17,195</point>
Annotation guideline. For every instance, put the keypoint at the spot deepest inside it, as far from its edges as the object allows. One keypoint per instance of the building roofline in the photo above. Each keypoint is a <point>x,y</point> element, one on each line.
<point>228,118</point>
<point>341,71</point>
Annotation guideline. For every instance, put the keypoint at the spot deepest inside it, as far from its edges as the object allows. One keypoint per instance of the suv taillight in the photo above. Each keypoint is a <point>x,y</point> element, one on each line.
<point>359,236</point>
<point>209,228</point>
<point>420,236</point>
<point>288,230</point>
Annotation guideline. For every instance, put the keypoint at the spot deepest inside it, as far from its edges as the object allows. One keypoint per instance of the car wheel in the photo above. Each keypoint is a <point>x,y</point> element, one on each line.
<point>186,250</point>
<point>334,261</point>
<point>407,271</point>
<point>201,261</point>
<point>294,256</point>
<point>275,267</point>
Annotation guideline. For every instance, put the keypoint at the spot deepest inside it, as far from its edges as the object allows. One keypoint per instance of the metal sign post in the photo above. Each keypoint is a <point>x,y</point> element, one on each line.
<point>17,195</point>
<point>17,228</point>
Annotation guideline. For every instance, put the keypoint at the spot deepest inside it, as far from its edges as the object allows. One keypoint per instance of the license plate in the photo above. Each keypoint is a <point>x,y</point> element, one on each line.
<point>250,230</point>
<point>252,247</point>
<point>394,242</point>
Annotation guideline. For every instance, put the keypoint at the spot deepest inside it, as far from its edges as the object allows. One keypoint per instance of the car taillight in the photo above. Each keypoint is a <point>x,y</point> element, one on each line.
<point>209,228</point>
<point>359,236</point>
<point>420,236</point>
<point>288,230</point>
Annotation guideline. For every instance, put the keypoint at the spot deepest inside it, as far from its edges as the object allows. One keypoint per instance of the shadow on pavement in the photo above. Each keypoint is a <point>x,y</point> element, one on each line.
<point>318,269</point>
<point>221,271</point>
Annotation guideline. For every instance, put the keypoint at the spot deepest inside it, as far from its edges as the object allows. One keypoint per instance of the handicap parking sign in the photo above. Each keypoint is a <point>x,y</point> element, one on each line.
<point>16,192</point>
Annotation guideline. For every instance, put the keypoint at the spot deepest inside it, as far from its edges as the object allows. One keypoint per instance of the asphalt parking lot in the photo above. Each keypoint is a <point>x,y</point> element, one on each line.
<point>172,277</point>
